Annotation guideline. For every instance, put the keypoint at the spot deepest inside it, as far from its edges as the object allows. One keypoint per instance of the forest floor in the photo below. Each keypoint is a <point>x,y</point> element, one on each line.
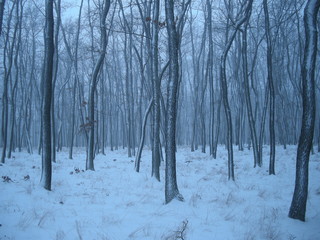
<point>114,202</point>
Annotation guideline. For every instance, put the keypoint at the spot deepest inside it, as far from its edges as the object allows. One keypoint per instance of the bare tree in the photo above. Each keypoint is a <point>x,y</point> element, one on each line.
<point>252,126</point>
<point>8,63</point>
<point>94,81</point>
<point>271,90</point>
<point>156,93</point>
<point>300,195</point>
<point>223,78</point>
<point>171,187</point>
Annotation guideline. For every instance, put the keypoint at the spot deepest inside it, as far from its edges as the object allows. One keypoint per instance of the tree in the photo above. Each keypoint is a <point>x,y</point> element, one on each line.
<point>47,96</point>
<point>94,81</point>
<point>171,187</point>
<point>2,2</point>
<point>299,200</point>
<point>223,79</point>
<point>7,73</point>
<point>271,89</point>
<point>156,93</point>
<point>252,126</point>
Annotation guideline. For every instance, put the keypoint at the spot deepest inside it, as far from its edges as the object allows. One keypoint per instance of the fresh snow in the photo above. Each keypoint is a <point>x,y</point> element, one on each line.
<point>115,202</point>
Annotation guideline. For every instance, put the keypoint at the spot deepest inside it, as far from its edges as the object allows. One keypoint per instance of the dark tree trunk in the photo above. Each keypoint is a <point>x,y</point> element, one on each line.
<point>210,76</point>
<point>94,80</point>
<point>7,72</point>
<point>156,95</point>
<point>14,88</point>
<point>2,3</point>
<point>171,186</point>
<point>143,130</point>
<point>299,200</point>
<point>47,96</point>
<point>252,126</point>
<point>271,90</point>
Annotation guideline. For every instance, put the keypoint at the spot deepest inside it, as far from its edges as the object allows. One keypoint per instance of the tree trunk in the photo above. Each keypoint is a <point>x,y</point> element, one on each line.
<point>143,130</point>
<point>2,3</point>
<point>156,95</point>
<point>299,200</point>
<point>47,96</point>
<point>252,126</point>
<point>271,91</point>
<point>93,86</point>
<point>171,186</point>
<point>7,73</point>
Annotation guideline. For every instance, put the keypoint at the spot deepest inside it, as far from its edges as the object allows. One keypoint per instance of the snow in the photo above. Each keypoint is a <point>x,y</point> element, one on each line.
<point>115,202</point>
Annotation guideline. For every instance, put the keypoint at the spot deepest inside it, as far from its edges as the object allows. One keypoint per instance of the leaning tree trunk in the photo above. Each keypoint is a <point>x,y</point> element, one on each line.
<point>94,80</point>
<point>143,130</point>
<point>299,200</point>
<point>47,96</point>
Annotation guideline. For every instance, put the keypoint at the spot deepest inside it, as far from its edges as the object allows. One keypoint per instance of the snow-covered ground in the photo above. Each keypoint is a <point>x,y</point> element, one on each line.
<point>115,202</point>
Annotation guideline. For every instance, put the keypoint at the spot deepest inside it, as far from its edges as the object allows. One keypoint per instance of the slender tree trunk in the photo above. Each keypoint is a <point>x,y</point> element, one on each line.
<point>216,139</point>
<point>14,88</point>
<point>7,73</point>
<point>224,87</point>
<point>300,195</point>
<point>252,126</point>
<point>210,76</point>
<point>271,91</point>
<point>262,124</point>
<point>143,130</point>
<point>156,95</point>
<point>55,72</point>
<point>94,80</point>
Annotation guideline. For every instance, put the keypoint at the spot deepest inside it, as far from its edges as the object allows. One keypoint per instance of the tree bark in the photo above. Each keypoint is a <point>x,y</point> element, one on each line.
<point>224,87</point>
<point>271,90</point>
<point>93,86</point>
<point>300,195</point>
<point>7,73</point>
<point>47,96</point>
<point>171,186</point>
<point>143,130</point>
<point>156,94</point>
<point>252,126</point>
<point>2,3</point>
